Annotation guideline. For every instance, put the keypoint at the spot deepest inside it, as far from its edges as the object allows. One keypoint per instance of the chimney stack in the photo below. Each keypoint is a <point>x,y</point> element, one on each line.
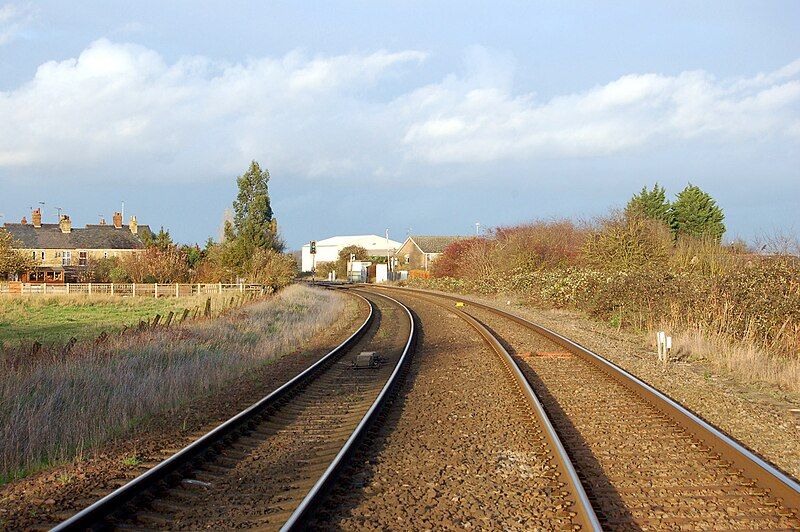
<point>133,225</point>
<point>24,221</point>
<point>117,220</point>
<point>36,217</point>
<point>102,220</point>
<point>65,224</point>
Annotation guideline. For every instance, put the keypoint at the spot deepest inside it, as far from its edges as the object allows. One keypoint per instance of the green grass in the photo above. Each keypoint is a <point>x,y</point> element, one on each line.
<point>58,318</point>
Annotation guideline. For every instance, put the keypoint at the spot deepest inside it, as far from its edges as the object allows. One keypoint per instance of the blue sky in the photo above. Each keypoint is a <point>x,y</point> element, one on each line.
<point>405,115</point>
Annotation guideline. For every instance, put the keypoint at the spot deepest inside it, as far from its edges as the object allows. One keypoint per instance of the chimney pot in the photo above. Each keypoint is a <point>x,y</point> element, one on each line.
<point>102,221</point>
<point>24,221</point>
<point>36,217</point>
<point>65,224</point>
<point>117,219</point>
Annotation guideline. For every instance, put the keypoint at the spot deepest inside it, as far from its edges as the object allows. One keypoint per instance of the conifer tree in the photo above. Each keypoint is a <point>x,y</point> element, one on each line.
<point>695,213</point>
<point>651,204</point>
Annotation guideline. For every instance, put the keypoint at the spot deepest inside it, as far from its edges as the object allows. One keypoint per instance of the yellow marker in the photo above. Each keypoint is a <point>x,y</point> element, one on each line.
<point>459,304</point>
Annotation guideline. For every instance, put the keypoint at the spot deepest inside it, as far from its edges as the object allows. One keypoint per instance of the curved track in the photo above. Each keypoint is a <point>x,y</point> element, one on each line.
<point>644,460</point>
<point>267,466</point>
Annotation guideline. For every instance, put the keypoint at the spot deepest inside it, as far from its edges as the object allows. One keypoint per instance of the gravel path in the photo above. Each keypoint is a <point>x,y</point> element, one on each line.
<point>458,450</point>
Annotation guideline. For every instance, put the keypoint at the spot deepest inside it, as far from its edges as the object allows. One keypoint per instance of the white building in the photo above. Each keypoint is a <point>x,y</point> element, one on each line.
<point>328,249</point>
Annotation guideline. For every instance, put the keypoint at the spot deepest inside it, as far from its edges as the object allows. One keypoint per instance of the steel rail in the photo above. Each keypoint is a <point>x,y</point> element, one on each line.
<point>317,491</point>
<point>766,475</point>
<point>585,512</point>
<point>92,516</point>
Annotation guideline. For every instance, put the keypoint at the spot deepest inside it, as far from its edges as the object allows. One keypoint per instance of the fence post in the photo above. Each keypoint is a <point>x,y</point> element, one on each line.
<point>169,318</point>
<point>112,289</point>
<point>155,290</point>
<point>208,307</point>
<point>134,289</point>
<point>177,290</point>
<point>68,288</point>
<point>220,288</point>
<point>90,288</point>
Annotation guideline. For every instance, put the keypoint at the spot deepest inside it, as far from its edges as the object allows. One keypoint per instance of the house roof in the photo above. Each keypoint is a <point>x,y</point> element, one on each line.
<point>434,244</point>
<point>367,242</point>
<point>49,236</point>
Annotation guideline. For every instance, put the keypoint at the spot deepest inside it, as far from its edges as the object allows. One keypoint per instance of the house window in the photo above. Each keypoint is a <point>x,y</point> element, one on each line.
<point>42,254</point>
<point>408,258</point>
<point>83,258</point>
<point>66,258</point>
<point>34,255</point>
<point>105,254</point>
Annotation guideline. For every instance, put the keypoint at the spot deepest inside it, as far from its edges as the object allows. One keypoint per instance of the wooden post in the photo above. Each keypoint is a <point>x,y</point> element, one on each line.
<point>134,289</point>
<point>169,319</point>
<point>155,290</point>
<point>208,307</point>
<point>112,289</point>
<point>90,288</point>
<point>156,320</point>
<point>68,288</point>
<point>177,290</point>
<point>185,315</point>
<point>241,287</point>
<point>220,288</point>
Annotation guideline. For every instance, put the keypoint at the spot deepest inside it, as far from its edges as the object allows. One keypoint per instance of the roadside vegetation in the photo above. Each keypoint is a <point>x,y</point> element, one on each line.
<point>55,319</point>
<point>56,408</point>
<point>659,265</point>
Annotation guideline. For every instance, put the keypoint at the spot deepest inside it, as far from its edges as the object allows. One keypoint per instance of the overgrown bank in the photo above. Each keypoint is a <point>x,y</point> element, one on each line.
<point>735,307</point>
<point>53,410</point>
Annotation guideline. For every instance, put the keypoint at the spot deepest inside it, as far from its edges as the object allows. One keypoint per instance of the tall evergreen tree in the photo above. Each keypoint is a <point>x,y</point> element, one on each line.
<point>695,213</point>
<point>253,226</point>
<point>651,204</point>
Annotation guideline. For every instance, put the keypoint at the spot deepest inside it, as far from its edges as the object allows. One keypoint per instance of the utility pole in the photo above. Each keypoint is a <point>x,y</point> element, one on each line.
<point>387,254</point>
<point>123,211</point>
<point>42,208</point>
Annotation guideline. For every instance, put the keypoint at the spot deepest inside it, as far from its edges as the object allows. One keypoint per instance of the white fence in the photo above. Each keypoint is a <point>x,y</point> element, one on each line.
<point>130,289</point>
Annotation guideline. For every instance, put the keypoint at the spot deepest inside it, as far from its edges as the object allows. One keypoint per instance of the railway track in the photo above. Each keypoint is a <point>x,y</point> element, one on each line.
<point>268,466</point>
<point>644,461</point>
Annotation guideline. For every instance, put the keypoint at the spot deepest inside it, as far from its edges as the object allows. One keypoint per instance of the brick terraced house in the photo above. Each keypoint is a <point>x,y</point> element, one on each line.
<point>62,253</point>
<point>418,252</point>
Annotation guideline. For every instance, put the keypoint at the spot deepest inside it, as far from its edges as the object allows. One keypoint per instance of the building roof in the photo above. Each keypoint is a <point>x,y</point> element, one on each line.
<point>49,236</point>
<point>434,244</point>
<point>367,242</point>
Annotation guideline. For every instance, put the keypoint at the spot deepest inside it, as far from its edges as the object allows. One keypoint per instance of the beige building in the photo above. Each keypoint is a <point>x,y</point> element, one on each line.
<point>61,253</point>
<point>418,252</point>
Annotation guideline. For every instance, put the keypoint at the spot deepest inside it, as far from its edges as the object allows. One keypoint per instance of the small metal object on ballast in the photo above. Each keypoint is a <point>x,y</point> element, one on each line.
<point>367,359</point>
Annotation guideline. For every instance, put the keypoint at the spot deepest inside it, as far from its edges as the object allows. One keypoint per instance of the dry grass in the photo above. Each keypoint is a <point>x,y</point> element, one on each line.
<point>51,410</point>
<point>744,360</point>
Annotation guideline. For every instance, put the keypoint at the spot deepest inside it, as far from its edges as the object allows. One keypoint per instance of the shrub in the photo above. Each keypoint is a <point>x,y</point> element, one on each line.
<point>626,243</point>
<point>273,269</point>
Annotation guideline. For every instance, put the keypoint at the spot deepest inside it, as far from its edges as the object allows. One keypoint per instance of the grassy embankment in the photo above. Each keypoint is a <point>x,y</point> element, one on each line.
<point>55,319</point>
<point>729,308</point>
<point>55,408</point>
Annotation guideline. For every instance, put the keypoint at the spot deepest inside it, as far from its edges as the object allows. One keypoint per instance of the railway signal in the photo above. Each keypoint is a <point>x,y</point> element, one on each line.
<point>313,245</point>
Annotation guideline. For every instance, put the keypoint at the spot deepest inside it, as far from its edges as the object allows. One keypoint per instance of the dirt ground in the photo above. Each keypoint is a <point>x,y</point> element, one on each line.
<point>764,419</point>
<point>46,498</point>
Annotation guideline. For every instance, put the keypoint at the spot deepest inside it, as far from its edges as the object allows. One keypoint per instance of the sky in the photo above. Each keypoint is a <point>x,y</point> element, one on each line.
<point>411,116</point>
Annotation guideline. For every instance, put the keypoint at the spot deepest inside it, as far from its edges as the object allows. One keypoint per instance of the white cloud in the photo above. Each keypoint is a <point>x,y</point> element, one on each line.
<point>121,110</point>
<point>13,18</point>
<point>458,123</point>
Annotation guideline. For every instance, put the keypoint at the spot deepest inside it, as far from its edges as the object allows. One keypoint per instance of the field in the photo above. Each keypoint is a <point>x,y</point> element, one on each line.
<point>54,319</point>
<point>55,408</point>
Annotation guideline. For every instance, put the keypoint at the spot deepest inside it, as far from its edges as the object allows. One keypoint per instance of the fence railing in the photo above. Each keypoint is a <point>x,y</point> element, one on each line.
<point>129,289</point>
